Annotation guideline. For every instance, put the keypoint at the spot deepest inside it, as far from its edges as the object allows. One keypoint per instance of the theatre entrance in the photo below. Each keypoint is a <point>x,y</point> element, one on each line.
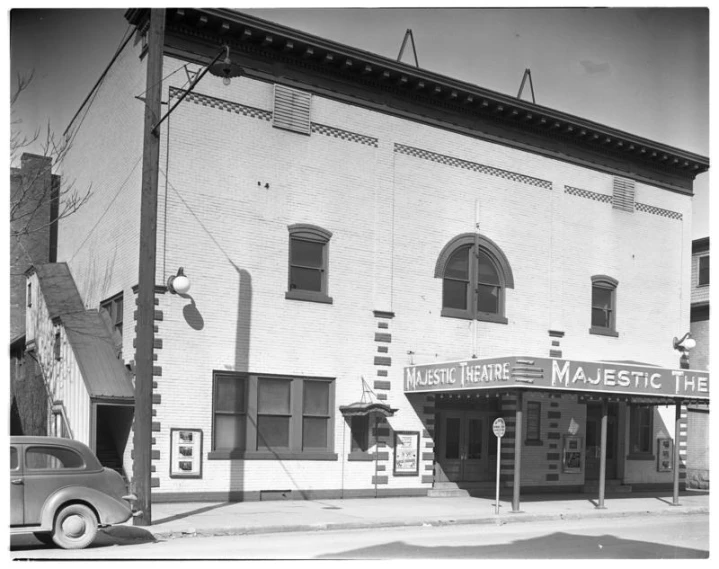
<point>464,452</point>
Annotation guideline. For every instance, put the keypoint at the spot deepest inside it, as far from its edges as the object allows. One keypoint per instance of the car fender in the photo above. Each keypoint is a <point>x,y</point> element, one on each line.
<point>109,510</point>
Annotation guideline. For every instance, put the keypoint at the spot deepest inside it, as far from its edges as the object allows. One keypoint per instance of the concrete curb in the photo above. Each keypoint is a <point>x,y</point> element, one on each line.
<point>338,526</point>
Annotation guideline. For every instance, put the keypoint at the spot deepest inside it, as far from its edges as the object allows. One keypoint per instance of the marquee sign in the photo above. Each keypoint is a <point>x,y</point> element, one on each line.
<point>557,374</point>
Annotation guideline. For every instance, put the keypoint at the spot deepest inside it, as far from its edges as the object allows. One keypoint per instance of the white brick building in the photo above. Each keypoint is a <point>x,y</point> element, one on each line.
<point>401,191</point>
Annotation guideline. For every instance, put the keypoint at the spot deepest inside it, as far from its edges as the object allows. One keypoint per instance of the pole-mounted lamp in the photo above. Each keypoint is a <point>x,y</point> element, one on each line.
<point>684,345</point>
<point>179,283</point>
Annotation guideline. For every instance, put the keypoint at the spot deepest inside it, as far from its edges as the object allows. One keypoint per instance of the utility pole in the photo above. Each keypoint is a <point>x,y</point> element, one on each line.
<point>142,458</point>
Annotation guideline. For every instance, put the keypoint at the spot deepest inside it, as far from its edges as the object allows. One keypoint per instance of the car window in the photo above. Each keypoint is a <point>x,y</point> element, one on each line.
<point>52,458</point>
<point>14,464</point>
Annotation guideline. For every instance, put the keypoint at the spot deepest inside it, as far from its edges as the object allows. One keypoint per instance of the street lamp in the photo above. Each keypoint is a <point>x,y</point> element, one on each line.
<point>684,345</point>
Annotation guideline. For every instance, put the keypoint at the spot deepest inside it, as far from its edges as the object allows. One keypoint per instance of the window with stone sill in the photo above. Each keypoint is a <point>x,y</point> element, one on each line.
<point>308,263</point>
<point>475,274</point>
<point>272,417</point>
<point>604,306</point>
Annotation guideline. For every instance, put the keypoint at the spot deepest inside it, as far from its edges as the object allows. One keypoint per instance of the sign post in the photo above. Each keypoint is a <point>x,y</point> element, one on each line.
<point>499,428</point>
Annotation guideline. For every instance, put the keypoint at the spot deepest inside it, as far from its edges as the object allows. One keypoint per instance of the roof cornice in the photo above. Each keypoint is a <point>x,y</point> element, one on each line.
<point>256,37</point>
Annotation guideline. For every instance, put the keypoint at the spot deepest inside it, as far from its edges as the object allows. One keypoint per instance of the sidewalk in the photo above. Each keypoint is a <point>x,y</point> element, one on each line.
<point>172,520</point>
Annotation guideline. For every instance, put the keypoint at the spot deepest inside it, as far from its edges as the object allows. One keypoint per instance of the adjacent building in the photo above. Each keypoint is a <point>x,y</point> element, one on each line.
<point>382,261</point>
<point>698,415</point>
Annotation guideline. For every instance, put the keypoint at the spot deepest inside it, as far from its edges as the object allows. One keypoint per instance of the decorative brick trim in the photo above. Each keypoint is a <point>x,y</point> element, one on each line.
<point>221,104</point>
<point>428,410</point>
<point>553,425</point>
<point>554,414</point>
<point>554,404</point>
<point>157,344</point>
<point>379,384</point>
<point>344,134</point>
<point>382,372</point>
<point>555,353</point>
<point>155,427</point>
<point>427,434</point>
<point>555,343</point>
<point>604,198</point>
<point>382,396</point>
<point>427,479</point>
<point>429,398</point>
<point>474,166</point>
<point>646,208</point>
<point>380,479</point>
<point>381,467</point>
<point>382,325</point>
<point>156,398</point>
<point>382,456</point>
<point>429,444</point>
<point>383,314</point>
<point>556,334</point>
<point>156,371</point>
<point>553,467</point>
<point>382,337</point>
<point>382,361</point>
<point>382,349</point>
<point>429,421</point>
<point>154,482</point>
<point>427,456</point>
<point>552,456</point>
<point>554,436</point>
<point>158,315</point>
<point>429,467</point>
<point>552,477</point>
<point>553,445</point>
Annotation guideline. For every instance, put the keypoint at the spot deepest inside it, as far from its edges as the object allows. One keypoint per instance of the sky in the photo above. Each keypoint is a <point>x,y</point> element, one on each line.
<point>644,71</point>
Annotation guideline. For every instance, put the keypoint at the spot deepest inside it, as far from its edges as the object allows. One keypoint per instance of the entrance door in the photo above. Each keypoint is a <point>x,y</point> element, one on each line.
<point>462,449</point>
<point>594,441</point>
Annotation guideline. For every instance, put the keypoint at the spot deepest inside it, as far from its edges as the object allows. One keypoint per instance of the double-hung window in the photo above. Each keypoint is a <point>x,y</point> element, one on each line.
<point>271,416</point>
<point>703,271</point>
<point>604,306</point>
<point>641,425</point>
<point>308,263</point>
<point>112,310</point>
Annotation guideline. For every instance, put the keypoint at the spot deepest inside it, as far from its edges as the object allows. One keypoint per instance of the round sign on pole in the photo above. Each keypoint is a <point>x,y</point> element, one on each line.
<point>498,427</point>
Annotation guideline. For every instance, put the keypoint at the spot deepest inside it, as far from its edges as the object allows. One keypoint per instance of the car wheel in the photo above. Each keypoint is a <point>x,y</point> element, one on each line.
<point>75,527</point>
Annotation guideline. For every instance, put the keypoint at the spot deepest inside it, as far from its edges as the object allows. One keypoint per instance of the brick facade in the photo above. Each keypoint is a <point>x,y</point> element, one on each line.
<point>393,192</point>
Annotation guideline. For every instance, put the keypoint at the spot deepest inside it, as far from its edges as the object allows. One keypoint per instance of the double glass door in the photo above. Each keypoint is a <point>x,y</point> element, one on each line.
<point>464,452</point>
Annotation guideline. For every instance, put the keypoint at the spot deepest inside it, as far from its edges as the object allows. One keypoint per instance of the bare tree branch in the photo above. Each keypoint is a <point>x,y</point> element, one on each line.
<point>39,198</point>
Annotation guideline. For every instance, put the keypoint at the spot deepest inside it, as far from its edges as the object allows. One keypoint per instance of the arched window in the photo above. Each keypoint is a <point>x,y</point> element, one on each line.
<point>308,263</point>
<point>475,273</point>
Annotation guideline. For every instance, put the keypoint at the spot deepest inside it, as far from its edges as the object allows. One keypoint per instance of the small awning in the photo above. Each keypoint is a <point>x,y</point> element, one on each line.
<point>361,408</point>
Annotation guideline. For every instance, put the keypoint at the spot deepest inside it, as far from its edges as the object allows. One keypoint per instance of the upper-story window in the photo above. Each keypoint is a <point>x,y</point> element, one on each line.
<point>308,263</point>
<point>475,274</point>
<point>703,270</point>
<point>604,306</point>
<point>112,309</point>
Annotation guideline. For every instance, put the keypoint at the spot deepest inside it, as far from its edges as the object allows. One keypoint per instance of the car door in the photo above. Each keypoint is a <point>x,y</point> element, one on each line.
<point>17,487</point>
<point>47,469</point>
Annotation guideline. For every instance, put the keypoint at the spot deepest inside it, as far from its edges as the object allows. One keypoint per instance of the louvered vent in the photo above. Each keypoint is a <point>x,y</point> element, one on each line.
<point>623,194</point>
<point>292,110</point>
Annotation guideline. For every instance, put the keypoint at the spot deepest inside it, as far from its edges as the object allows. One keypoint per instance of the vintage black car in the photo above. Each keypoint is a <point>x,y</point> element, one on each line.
<point>60,492</point>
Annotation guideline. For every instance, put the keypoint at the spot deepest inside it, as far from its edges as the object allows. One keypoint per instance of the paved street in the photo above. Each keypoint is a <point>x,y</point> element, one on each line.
<point>660,537</point>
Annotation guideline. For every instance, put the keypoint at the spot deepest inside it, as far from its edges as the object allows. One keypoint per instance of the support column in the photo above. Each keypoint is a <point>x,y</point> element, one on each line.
<point>517,453</point>
<point>603,455</point>
<point>677,464</point>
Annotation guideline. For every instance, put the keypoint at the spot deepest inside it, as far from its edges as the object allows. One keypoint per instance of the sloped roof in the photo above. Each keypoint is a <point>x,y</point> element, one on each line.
<point>103,373</point>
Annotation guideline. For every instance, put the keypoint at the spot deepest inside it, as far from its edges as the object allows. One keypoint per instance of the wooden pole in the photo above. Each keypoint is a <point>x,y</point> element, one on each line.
<point>603,455</point>
<point>677,426</point>
<point>517,453</point>
<point>142,441</point>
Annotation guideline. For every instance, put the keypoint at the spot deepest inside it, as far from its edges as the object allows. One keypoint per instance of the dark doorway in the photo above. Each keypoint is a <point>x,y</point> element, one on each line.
<point>593,447</point>
<point>112,431</point>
